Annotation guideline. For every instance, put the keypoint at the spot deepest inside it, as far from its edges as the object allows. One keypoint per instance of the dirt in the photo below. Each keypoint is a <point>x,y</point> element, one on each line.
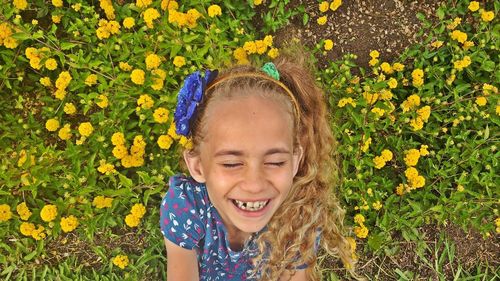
<point>359,26</point>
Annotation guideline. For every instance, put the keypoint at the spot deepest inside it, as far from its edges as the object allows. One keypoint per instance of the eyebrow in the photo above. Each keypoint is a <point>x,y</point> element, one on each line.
<point>226,152</point>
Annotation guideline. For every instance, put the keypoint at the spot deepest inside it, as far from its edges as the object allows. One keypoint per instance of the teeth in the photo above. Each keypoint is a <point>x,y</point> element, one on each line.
<point>251,206</point>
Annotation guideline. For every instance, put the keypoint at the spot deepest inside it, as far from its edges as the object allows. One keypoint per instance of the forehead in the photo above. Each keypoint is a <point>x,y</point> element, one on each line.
<point>247,123</point>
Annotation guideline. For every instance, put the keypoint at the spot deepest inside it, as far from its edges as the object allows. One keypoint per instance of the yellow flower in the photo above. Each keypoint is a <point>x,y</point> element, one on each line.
<point>489,89</point>
<point>487,16</point>
<point>161,115</point>
<point>257,2</point>
<point>411,157</point>
<point>454,24</point>
<point>398,66</point>
<point>132,221</point>
<point>392,83</point>
<point>56,18</point>
<point>424,113</point>
<point>85,129</point>
<point>91,80</point>
<point>153,61</point>
<point>214,10</point>
<point>23,211</point>
<point>150,15</point>
<point>128,22</point>
<point>171,132</point>
<point>48,212</point>
<point>26,228</point>
<point>121,261</point>
<point>69,223</point>
<point>261,46</point>
<point>5,213</point>
<point>379,162</point>
<point>38,233</point>
<point>417,182</point>
<point>418,77</point>
<point>137,76</point>
<point>165,141</point>
<point>423,150</point>
<point>411,173</point>
<point>20,4</point>
<point>335,5</point>
<point>169,5</point>
<point>387,155</point>
<point>250,47</point>
<point>179,61</point>
<point>322,20</point>
<point>145,101</point>
<point>437,44</point>
<point>125,66</point>
<point>378,111</point>
<point>102,202</point>
<point>481,101</point>
<point>473,6</point>
<point>386,68</point>
<point>143,3</point>
<point>102,101</point>
<point>328,44</point>
<point>366,144</point>
<point>120,151</point>
<point>45,81</point>
<point>186,143</point>
<point>459,36</point>
<point>361,231</point>
<point>118,138</point>
<point>359,219</point>
<point>106,168</point>
<point>374,54</point>
<point>323,6</point>
<point>463,63</point>
<point>51,64</point>
<point>273,53</point>
<point>468,44</point>
<point>65,132</point>
<point>268,40</point>
<point>377,205</point>
<point>138,210</point>
<point>373,62</point>
<point>344,101</point>
<point>57,3</point>
<point>63,80</point>
<point>52,125</point>
<point>371,98</point>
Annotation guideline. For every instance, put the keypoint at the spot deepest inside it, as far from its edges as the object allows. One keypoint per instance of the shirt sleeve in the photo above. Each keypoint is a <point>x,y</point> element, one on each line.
<point>183,212</point>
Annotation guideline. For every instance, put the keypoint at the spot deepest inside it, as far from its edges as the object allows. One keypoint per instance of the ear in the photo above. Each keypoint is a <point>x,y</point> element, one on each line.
<point>297,157</point>
<point>193,163</point>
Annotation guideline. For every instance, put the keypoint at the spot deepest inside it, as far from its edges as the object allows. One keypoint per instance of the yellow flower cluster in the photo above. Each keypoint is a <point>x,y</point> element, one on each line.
<point>65,132</point>
<point>381,160</point>
<point>481,101</point>
<point>361,231</point>
<point>322,20</point>
<point>188,19</point>
<point>158,78</point>
<point>328,44</point>
<point>371,98</point>
<point>497,224</point>
<point>102,101</point>
<point>107,28</point>
<point>461,64</point>
<point>23,211</point>
<point>62,83</point>
<point>179,61</point>
<point>411,157</point>
<point>29,229</point>
<point>20,4</point>
<point>149,16</point>
<point>335,5</point>
<point>48,212</point>
<point>69,223</point>
<point>143,3</point>
<point>125,66</point>
<point>160,115</point>
<point>459,36</point>
<point>91,80</point>
<point>121,261</point>
<point>145,101</point>
<point>153,61</point>
<point>437,44</point>
<point>366,144</point>
<point>214,10</point>
<point>414,179</point>
<point>45,81</point>
<point>136,213</point>
<point>473,6</point>
<point>5,36</point>
<point>36,55</point>
<point>107,6</point>
<point>169,5</point>
<point>137,76</point>
<point>5,213</point>
<point>85,129</point>
<point>379,112</point>
<point>418,77</point>
<point>137,150</point>
<point>487,16</point>
<point>101,202</point>
<point>106,168</point>
<point>165,141</point>
<point>128,22</point>
<point>374,54</point>
<point>452,25</point>
<point>344,101</point>
<point>256,47</point>
<point>52,125</point>
<point>423,115</point>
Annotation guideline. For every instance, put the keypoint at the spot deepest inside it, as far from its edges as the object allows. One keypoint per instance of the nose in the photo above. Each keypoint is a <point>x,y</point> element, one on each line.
<point>254,180</point>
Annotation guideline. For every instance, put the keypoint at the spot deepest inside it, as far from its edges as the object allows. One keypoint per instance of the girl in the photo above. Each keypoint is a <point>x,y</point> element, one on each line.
<point>259,200</point>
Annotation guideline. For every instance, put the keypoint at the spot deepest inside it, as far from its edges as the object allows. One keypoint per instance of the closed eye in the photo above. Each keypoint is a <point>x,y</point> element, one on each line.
<point>230,165</point>
<point>277,164</point>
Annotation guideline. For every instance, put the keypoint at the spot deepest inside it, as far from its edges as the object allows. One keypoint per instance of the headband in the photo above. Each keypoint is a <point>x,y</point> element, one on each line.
<point>195,86</point>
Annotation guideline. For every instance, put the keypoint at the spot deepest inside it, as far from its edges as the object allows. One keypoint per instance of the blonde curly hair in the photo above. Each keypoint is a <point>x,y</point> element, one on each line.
<point>311,206</point>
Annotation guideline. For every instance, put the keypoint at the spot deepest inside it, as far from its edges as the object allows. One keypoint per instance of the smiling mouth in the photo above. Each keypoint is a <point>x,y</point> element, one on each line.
<point>250,206</point>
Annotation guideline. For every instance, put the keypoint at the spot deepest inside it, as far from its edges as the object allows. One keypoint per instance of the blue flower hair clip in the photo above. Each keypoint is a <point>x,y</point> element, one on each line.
<point>189,97</point>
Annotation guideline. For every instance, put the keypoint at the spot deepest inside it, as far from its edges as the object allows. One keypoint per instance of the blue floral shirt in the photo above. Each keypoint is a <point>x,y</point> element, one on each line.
<point>188,219</point>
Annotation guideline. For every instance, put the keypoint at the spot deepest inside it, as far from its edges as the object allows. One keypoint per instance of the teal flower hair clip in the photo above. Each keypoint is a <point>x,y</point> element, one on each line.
<point>270,69</point>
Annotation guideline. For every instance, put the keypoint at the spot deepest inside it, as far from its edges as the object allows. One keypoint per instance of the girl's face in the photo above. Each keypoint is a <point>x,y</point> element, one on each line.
<point>246,160</point>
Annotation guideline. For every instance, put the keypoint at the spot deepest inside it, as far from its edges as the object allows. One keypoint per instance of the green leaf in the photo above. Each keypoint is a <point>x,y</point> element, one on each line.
<point>305,19</point>
<point>488,66</point>
<point>67,45</point>
<point>125,181</point>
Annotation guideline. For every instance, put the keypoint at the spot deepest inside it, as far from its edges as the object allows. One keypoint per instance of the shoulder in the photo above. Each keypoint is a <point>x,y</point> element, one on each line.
<point>184,192</point>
